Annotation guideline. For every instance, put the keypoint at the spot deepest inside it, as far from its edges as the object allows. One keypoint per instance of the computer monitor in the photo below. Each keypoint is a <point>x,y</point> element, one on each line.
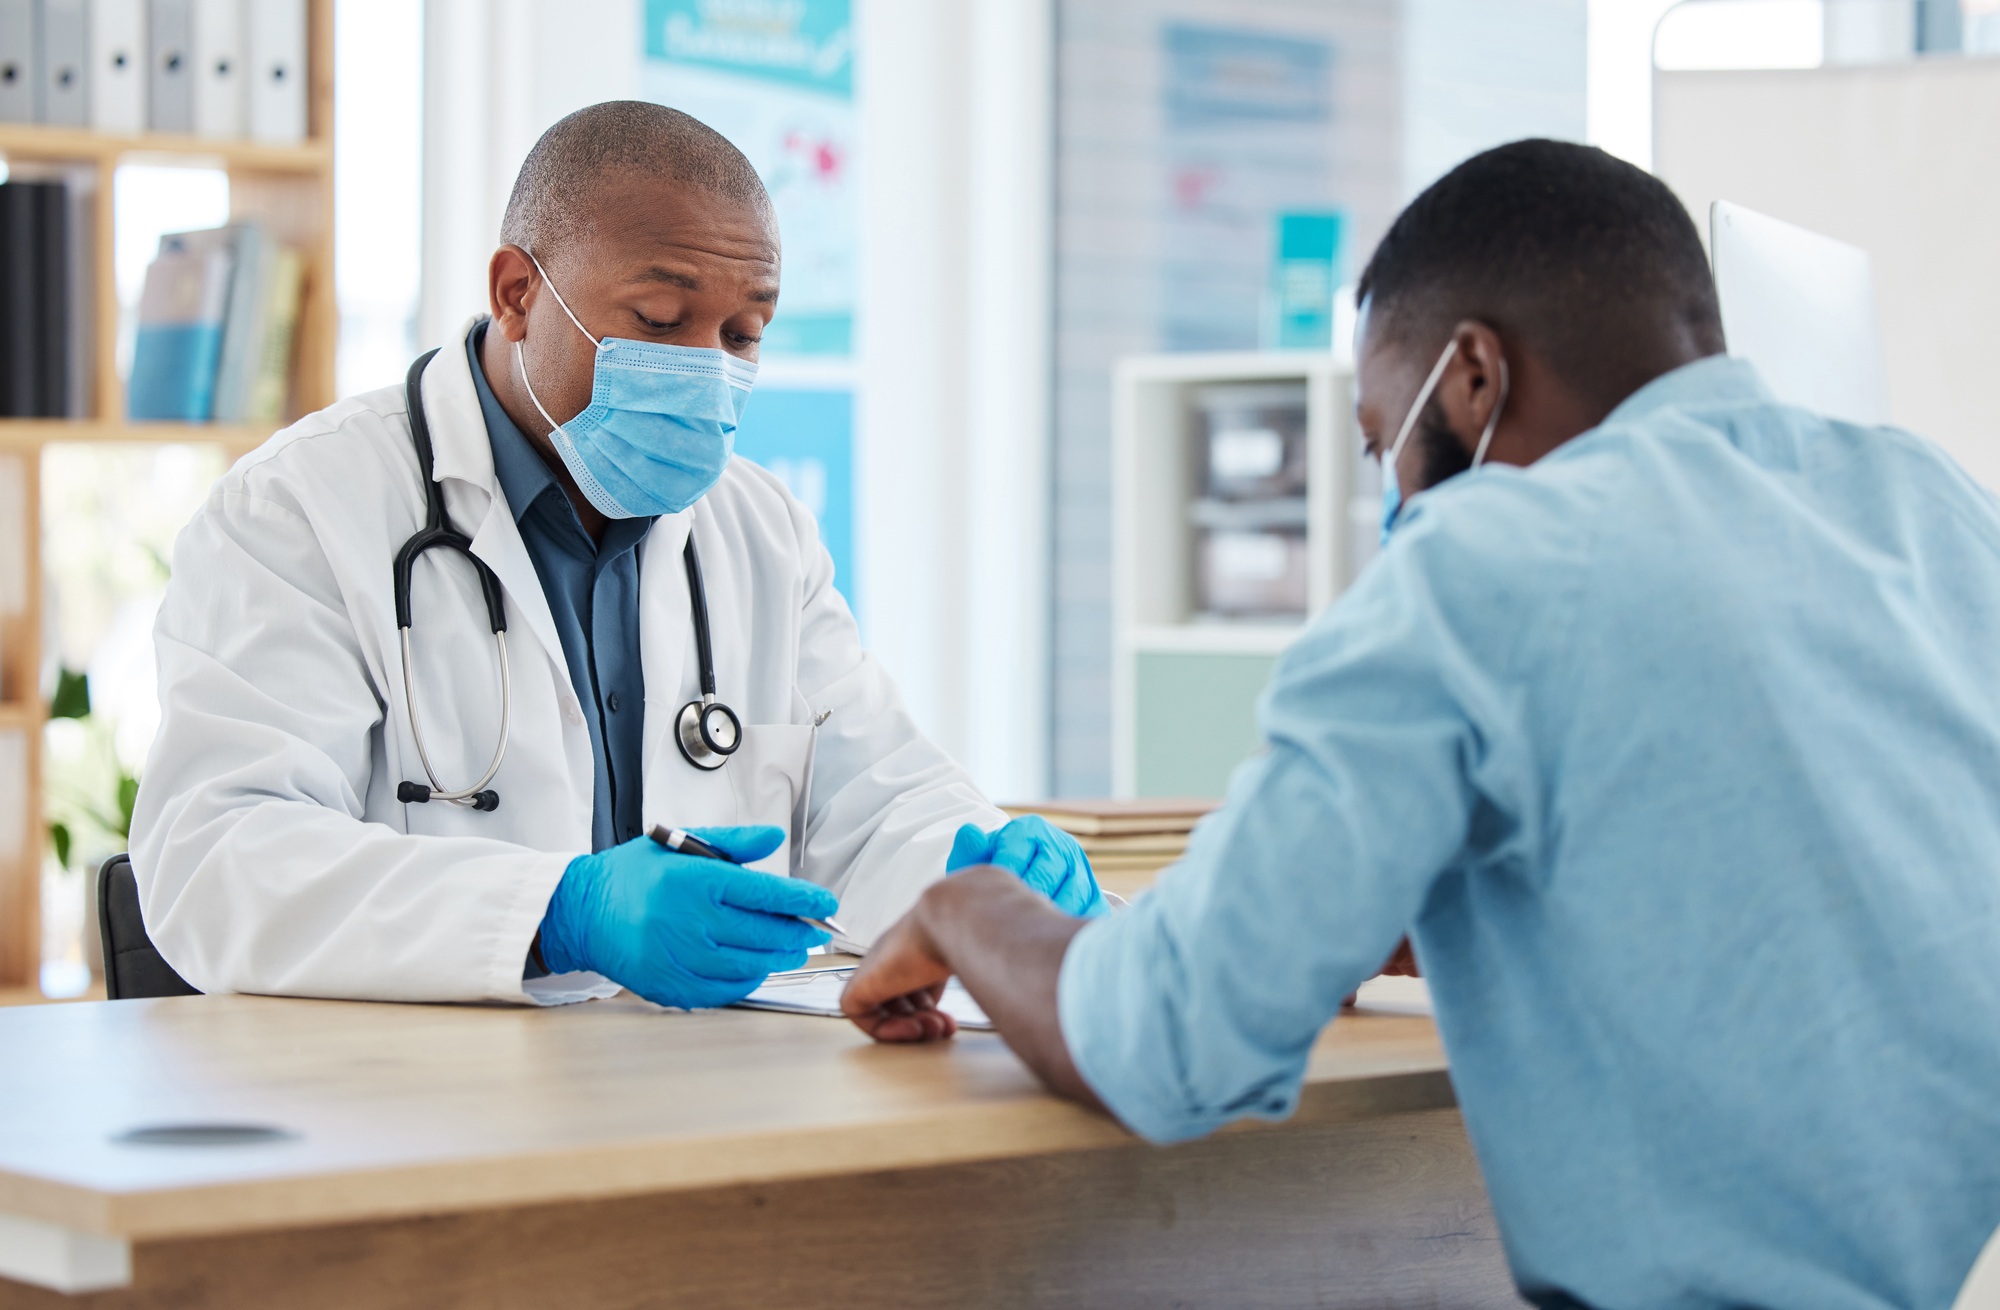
<point>1801,307</point>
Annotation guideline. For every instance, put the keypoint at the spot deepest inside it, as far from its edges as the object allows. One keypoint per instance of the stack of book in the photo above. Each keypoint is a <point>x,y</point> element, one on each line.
<point>1125,837</point>
<point>217,320</point>
<point>214,68</point>
<point>40,356</point>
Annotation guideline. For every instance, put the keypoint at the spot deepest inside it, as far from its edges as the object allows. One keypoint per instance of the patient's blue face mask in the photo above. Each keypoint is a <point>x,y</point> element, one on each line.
<point>1392,490</point>
<point>660,426</point>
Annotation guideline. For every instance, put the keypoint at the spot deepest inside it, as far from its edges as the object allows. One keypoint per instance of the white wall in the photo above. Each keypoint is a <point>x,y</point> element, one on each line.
<point>1897,159</point>
<point>1479,73</point>
<point>497,74</point>
<point>951,424</point>
<point>952,520</point>
<point>1619,103</point>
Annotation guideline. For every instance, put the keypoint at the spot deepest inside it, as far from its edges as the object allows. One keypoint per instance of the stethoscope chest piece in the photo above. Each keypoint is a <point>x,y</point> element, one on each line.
<point>708,732</point>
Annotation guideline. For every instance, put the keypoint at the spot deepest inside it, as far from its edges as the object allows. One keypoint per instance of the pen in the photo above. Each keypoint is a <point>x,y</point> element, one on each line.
<point>688,844</point>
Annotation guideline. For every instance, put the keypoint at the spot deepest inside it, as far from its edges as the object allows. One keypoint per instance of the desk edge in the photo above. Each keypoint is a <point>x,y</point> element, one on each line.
<point>959,1135</point>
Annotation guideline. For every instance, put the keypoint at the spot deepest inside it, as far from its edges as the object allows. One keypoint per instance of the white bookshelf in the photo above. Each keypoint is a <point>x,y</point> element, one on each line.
<point>1185,684</point>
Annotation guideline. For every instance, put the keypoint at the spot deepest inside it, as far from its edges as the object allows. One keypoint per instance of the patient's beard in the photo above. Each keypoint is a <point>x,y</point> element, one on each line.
<point>1440,455</point>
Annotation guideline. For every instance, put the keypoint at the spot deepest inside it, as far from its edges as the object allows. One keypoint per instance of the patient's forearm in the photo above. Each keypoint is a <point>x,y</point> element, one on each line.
<point>1006,943</point>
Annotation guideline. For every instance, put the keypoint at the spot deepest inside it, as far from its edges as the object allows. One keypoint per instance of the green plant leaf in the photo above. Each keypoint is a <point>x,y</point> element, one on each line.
<point>72,698</point>
<point>128,796</point>
<point>59,838</point>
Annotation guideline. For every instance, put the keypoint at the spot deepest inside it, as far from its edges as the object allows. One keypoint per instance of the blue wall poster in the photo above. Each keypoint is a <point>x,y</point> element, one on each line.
<point>777,78</point>
<point>806,437</point>
<point>1246,115</point>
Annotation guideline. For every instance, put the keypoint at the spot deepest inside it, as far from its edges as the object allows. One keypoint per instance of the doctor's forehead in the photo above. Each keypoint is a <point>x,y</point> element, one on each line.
<point>615,177</point>
<point>652,229</point>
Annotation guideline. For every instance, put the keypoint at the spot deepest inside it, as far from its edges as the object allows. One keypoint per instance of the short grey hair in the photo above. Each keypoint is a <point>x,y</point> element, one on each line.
<point>550,205</point>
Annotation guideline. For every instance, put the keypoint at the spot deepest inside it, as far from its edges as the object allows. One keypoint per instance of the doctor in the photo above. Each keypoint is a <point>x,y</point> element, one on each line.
<point>322,813</point>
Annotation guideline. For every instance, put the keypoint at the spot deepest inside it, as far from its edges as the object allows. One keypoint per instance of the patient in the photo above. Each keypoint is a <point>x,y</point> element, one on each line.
<point>1666,725</point>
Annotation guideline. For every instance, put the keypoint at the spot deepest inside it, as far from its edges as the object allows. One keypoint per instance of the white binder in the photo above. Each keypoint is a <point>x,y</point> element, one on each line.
<point>277,70</point>
<point>65,62</point>
<point>218,69</point>
<point>118,65</point>
<point>19,83</point>
<point>169,71</point>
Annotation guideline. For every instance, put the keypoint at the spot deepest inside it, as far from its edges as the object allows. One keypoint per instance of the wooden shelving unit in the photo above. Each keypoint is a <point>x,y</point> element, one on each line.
<point>34,433</point>
<point>288,189</point>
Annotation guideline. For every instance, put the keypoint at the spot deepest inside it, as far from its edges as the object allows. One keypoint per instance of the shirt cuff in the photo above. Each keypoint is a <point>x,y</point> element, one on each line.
<point>568,988</point>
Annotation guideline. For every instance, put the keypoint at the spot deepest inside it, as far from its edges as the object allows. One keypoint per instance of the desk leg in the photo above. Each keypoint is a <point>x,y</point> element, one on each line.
<point>1380,1213</point>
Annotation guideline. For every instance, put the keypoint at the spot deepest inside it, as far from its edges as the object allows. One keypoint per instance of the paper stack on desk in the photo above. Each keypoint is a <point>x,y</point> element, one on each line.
<point>1133,836</point>
<point>817,991</point>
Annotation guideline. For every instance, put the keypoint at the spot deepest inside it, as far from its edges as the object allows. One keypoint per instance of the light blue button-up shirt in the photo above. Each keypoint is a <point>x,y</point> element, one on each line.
<point>1678,753</point>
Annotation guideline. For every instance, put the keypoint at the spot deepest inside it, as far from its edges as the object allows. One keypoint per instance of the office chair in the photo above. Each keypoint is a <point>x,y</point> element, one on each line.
<point>132,968</point>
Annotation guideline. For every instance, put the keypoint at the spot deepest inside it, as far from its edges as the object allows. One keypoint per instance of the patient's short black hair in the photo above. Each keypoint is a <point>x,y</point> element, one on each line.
<point>573,161</point>
<point>1592,263</point>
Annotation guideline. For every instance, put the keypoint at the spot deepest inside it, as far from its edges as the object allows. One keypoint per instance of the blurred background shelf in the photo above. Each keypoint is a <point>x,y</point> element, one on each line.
<point>129,467</point>
<point>1238,491</point>
<point>32,141</point>
<point>33,433</point>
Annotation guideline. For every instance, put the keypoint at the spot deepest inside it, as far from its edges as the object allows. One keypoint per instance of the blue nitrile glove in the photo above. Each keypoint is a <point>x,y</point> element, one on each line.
<point>679,929</point>
<point>1040,854</point>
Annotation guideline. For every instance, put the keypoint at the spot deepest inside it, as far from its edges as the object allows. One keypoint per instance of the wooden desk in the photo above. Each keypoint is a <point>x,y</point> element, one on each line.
<point>613,1154</point>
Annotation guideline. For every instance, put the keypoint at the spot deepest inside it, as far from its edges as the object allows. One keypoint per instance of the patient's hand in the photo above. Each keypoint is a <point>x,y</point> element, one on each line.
<point>894,992</point>
<point>1005,942</point>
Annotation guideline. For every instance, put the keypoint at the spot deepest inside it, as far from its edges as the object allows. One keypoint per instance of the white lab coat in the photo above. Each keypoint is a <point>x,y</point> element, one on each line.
<point>270,850</point>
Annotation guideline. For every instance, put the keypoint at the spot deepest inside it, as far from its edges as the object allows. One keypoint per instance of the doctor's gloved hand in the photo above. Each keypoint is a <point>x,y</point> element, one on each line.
<point>1039,854</point>
<point>679,929</point>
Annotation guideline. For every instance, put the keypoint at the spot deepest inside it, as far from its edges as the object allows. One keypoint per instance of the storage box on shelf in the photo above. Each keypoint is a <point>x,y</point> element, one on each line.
<point>1241,506</point>
<point>288,191</point>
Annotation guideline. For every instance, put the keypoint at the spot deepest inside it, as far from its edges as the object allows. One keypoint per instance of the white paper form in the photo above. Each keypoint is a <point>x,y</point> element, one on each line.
<point>817,991</point>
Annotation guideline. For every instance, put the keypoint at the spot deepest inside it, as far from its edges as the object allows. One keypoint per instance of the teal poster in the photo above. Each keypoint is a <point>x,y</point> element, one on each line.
<point>805,436</point>
<point>777,78</point>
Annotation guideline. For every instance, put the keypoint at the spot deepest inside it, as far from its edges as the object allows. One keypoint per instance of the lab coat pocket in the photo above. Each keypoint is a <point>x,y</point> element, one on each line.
<point>771,784</point>
<point>765,781</point>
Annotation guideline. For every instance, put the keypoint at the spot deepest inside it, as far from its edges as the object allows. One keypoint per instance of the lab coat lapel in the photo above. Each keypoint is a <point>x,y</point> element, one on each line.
<point>462,455</point>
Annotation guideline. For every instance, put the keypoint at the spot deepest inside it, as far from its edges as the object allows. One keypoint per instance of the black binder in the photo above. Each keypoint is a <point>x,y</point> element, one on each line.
<point>35,299</point>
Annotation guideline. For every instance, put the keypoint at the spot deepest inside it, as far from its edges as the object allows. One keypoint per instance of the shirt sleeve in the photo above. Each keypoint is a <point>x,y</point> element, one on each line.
<point>1391,745</point>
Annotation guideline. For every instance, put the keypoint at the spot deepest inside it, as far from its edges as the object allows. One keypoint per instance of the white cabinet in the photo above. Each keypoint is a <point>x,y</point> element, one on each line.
<point>1211,541</point>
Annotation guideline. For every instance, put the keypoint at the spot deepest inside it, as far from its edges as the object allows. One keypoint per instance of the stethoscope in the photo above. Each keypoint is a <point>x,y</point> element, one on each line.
<point>707,731</point>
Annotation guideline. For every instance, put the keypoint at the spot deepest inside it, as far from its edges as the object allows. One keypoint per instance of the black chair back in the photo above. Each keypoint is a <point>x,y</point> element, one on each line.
<point>132,968</point>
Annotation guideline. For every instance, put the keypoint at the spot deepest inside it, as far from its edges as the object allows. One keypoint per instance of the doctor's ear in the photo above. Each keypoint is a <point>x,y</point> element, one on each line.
<point>511,284</point>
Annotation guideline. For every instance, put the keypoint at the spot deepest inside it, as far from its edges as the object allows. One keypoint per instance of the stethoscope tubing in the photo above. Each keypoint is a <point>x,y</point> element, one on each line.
<point>698,743</point>
<point>467,795</point>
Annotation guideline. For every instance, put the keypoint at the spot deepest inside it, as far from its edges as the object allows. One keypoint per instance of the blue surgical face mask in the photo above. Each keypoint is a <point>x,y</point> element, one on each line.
<point>1392,490</point>
<point>660,426</point>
